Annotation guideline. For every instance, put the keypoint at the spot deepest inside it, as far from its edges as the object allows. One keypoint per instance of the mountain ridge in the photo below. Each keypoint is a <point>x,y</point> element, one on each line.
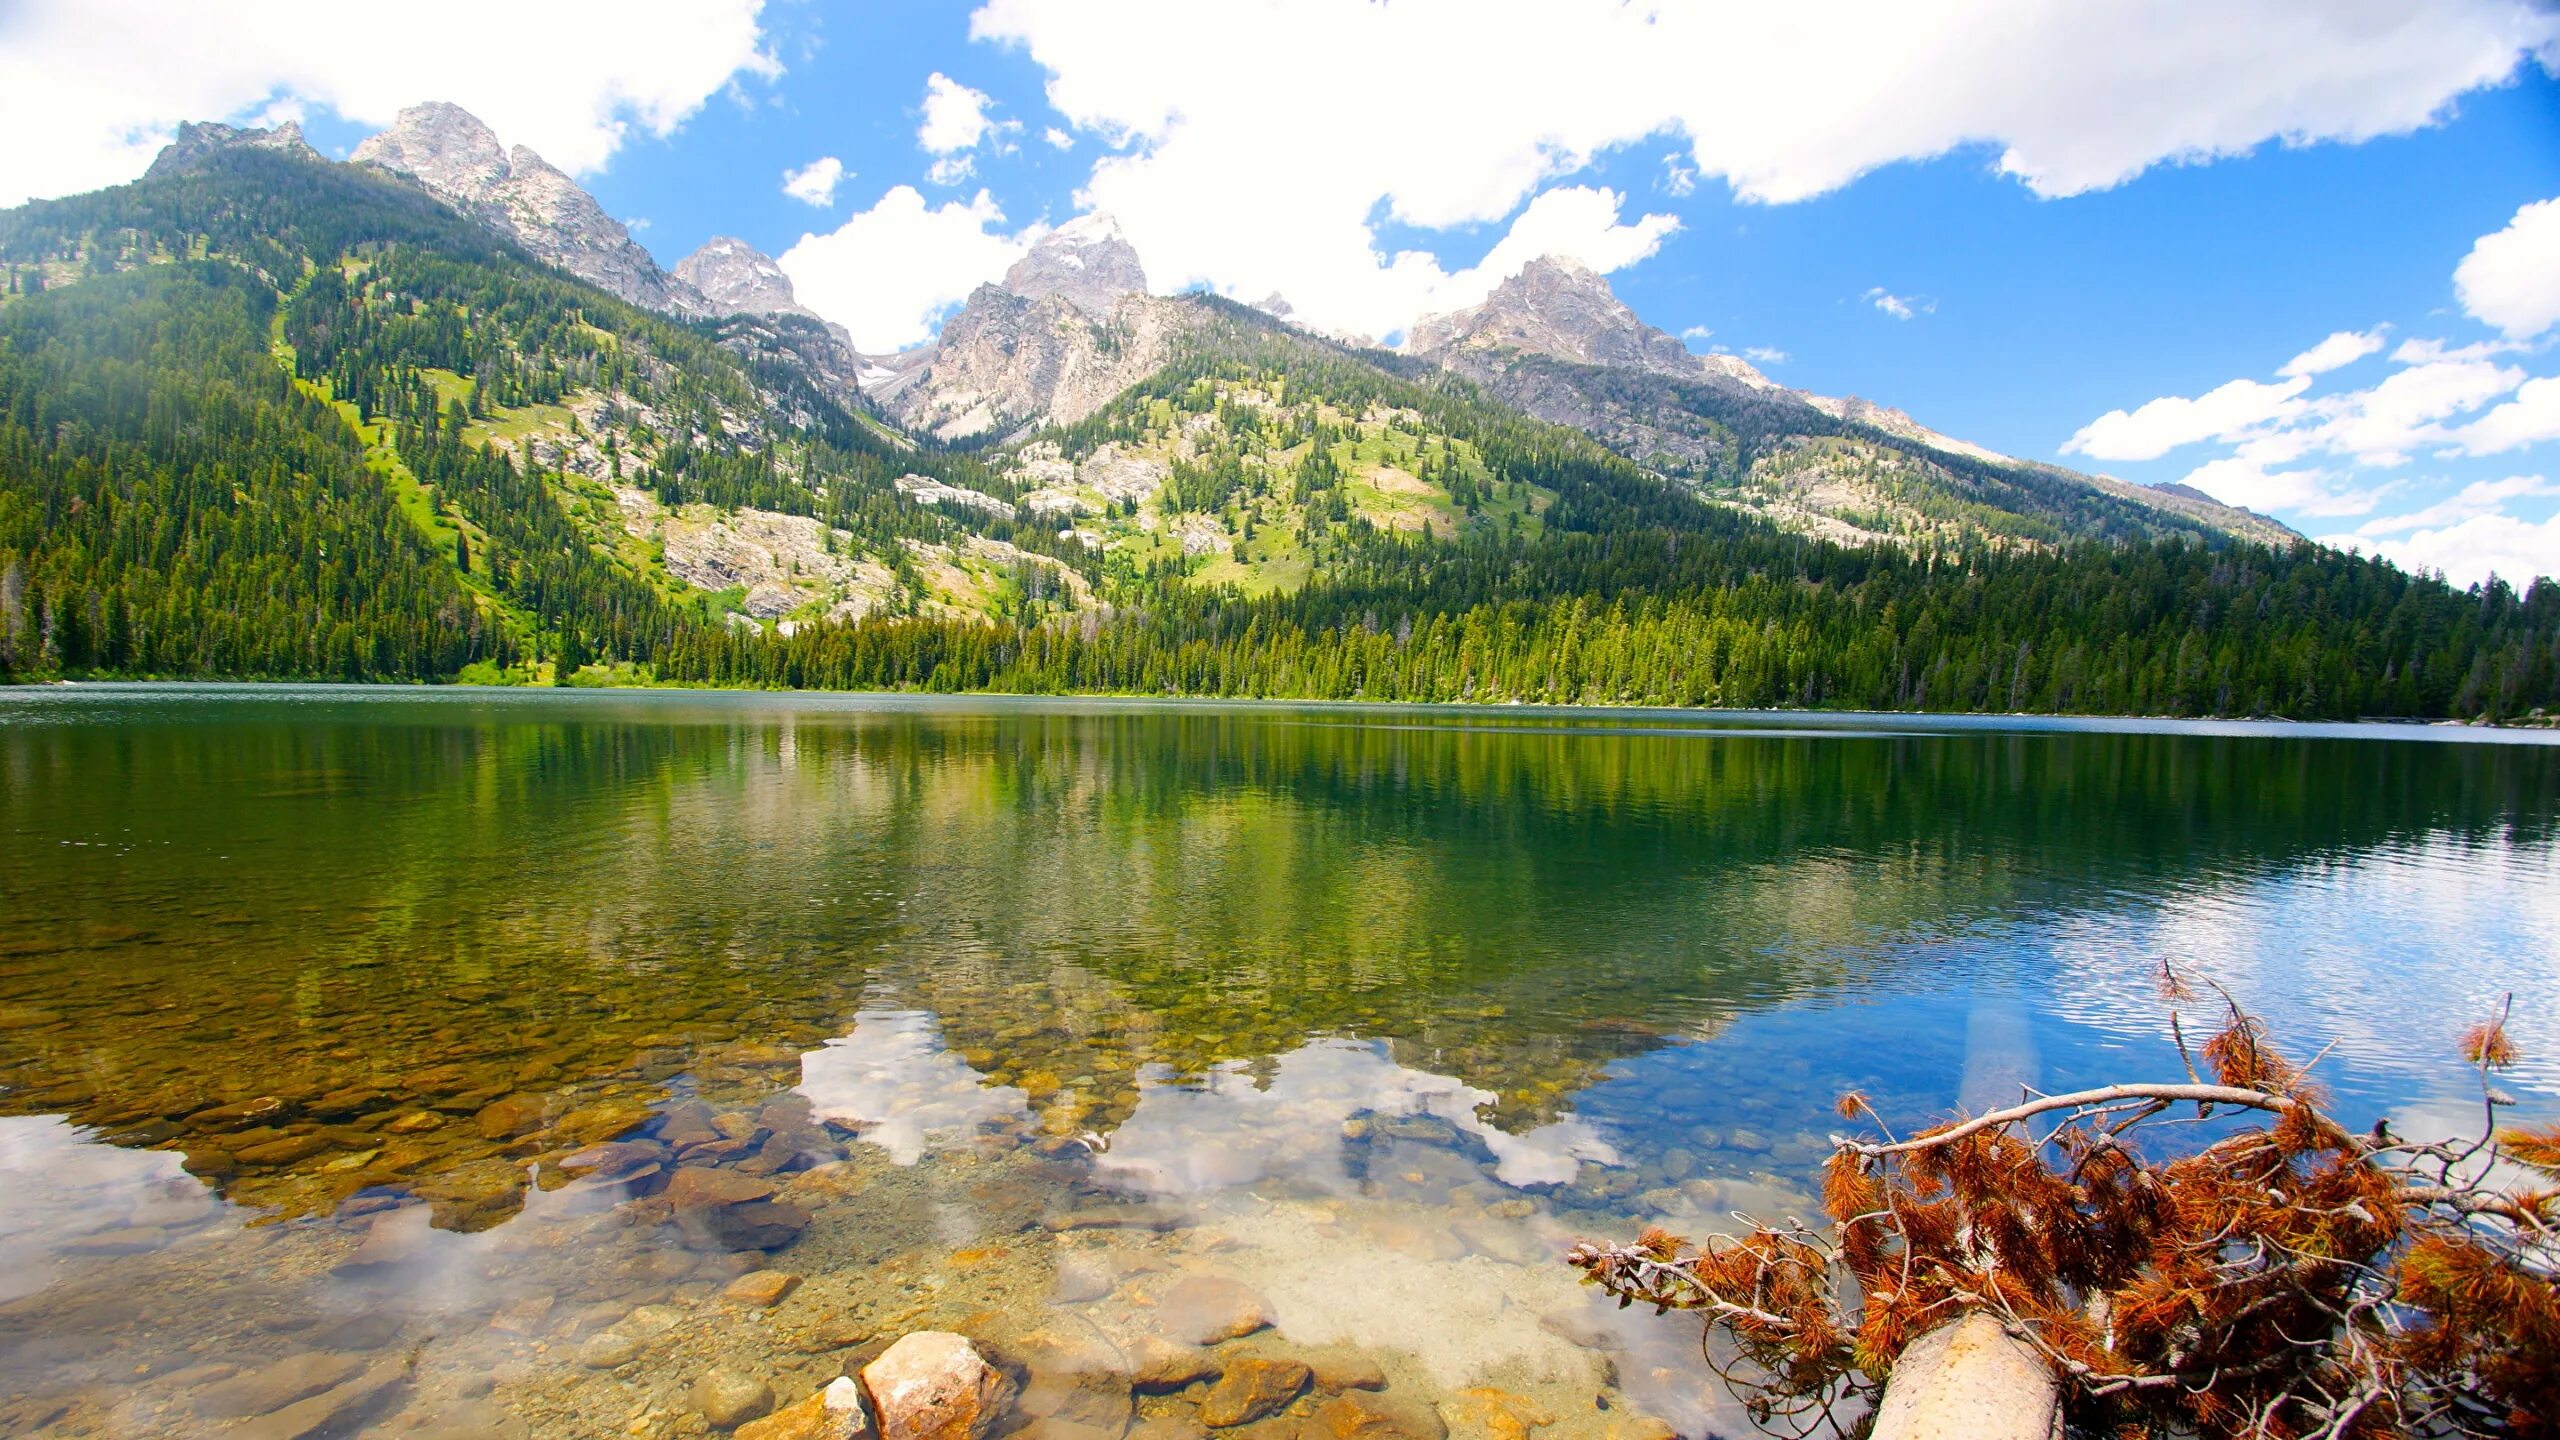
<point>416,450</point>
<point>455,156</point>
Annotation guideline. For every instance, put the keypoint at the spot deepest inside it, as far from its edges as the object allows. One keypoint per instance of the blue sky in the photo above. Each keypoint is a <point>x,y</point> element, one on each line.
<point>2091,233</point>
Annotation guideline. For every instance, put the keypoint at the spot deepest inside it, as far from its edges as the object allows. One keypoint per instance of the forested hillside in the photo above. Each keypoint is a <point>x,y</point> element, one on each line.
<point>270,417</point>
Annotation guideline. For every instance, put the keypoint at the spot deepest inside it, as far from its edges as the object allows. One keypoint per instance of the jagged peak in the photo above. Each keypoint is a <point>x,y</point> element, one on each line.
<point>1086,261</point>
<point>736,278</point>
<point>197,139</point>
<point>456,156</point>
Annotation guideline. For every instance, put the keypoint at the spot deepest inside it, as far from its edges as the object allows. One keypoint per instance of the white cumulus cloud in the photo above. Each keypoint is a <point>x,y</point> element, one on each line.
<point>2469,551</point>
<point>2532,417</point>
<point>890,272</point>
<point>93,88</point>
<point>2511,279</point>
<point>815,183</point>
<point>2480,497</point>
<point>955,116</point>
<point>1230,169</point>
<point>2341,349</point>
<point>2160,426</point>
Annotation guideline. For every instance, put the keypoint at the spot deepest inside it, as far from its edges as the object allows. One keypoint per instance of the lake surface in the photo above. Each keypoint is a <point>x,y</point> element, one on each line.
<point>349,1039</point>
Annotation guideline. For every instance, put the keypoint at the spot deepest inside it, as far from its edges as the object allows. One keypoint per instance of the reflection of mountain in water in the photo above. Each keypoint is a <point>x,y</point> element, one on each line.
<point>378,910</point>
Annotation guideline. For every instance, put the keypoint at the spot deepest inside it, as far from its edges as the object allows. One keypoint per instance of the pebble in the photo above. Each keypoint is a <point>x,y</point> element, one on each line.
<point>729,1398</point>
<point>761,1289</point>
<point>1205,1309</point>
<point>607,1349</point>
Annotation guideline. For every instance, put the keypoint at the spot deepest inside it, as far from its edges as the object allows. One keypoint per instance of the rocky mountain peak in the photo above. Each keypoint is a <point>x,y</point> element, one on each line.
<point>197,140</point>
<point>1087,262</point>
<point>448,150</point>
<point>1558,307</point>
<point>738,279</point>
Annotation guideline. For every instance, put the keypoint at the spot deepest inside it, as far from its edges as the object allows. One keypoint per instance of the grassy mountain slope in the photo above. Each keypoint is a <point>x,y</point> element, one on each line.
<point>271,416</point>
<point>1770,453</point>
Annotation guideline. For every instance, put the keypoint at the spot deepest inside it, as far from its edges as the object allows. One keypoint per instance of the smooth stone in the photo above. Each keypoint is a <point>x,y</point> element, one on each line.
<point>1170,1427</point>
<point>512,1116</point>
<point>1084,1277</point>
<point>1494,1414</point>
<point>1637,1427</point>
<point>274,1386</point>
<point>1205,1309</point>
<point>933,1385</point>
<point>730,1398</point>
<point>1158,1364</point>
<point>1117,1217</point>
<point>1253,1386</point>
<point>1346,1370</point>
<point>1358,1416</point>
<point>650,1320</point>
<point>699,1187</point>
<point>282,1152</point>
<point>239,1114</point>
<point>1078,1379</point>
<point>761,1289</point>
<point>607,1349</point>
<point>331,1411</point>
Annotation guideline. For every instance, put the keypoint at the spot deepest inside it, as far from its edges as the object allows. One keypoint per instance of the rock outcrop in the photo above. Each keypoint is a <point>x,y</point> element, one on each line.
<point>1005,363</point>
<point>446,149</point>
<point>735,278</point>
<point>1087,262</point>
<point>1562,309</point>
<point>197,141</point>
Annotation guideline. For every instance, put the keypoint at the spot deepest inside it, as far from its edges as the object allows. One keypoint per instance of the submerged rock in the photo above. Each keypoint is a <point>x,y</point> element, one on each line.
<point>934,1385</point>
<point>730,1398</point>
<point>1359,1416</point>
<point>834,1413</point>
<point>333,1410</point>
<point>1158,1364</point>
<point>732,1210</point>
<point>761,1289</point>
<point>1205,1309</point>
<point>1252,1387</point>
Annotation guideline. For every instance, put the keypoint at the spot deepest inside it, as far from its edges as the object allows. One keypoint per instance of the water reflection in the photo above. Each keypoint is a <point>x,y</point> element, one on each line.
<point>444,1063</point>
<point>896,1082</point>
<point>1317,1115</point>
<point>72,1197</point>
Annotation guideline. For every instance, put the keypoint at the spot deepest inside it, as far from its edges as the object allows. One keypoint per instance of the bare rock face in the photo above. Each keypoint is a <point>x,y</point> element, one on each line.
<point>198,140</point>
<point>1005,362</point>
<point>1559,308</point>
<point>446,149</point>
<point>1086,262</point>
<point>934,1385</point>
<point>738,279</point>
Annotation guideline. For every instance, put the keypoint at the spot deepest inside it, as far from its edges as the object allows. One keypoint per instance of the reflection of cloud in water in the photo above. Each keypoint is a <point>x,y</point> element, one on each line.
<point>1225,1131</point>
<point>2392,954</point>
<point>68,1193</point>
<point>895,1079</point>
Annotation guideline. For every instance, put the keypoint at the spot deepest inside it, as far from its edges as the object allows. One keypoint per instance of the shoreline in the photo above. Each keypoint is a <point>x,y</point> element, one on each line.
<point>2545,730</point>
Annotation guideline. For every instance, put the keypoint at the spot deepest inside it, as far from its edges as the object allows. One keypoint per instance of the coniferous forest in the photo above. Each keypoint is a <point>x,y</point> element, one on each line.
<point>266,419</point>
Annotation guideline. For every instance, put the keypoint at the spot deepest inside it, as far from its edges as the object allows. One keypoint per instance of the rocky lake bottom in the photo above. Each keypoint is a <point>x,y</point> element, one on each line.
<point>449,1065</point>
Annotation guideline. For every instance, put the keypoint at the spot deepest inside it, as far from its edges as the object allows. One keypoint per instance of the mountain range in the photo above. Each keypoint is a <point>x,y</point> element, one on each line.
<point>550,456</point>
